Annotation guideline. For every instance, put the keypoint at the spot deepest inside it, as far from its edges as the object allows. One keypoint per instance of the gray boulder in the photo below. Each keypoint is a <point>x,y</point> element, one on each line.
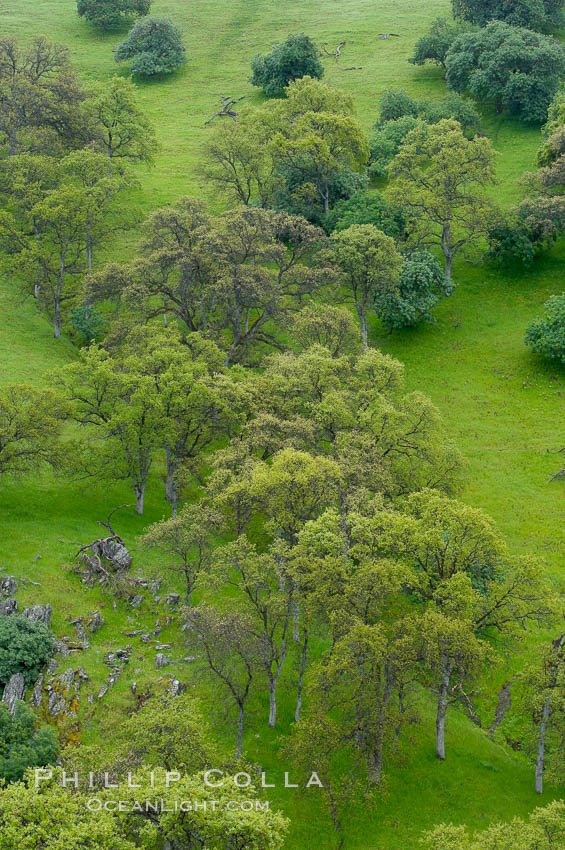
<point>14,690</point>
<point>39,614</point>
<point>8,606</point>
<point>8,586</point>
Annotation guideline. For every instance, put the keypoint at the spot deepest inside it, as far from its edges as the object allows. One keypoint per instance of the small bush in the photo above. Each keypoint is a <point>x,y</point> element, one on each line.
<point>155,45</point>
<point>25,647</point>
<point>546,336</point>
<point>295,58</point>
<point>422,284</point>
<point>22,743</point>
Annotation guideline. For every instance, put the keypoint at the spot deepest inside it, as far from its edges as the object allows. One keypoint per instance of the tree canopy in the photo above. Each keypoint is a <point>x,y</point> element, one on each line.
<point>108,14</point>
<point>517,70</point>
<point>155,45</point>
<point>532,14</point>
<point>296,57</point>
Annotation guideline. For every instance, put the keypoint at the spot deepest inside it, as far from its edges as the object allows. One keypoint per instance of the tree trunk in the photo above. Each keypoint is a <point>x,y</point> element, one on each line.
<point>139,496</point>
<point>272,703</point>
<point>170,486</point>
<point>301,678</point>
<point>540,759</point>
<point>363,321</point>
<point>442,708</point>
<point>239,732</point>
<point>448,260</point>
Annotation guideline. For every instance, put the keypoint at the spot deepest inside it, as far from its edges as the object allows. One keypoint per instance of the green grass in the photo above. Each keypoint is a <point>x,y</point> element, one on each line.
<point>503,406</point>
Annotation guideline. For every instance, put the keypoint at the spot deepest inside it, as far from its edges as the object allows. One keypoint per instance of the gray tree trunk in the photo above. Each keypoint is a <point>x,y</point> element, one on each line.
<point>540,758</point>
<point>442,708</point>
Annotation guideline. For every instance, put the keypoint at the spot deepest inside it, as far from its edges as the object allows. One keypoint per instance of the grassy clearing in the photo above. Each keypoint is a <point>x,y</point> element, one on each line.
<point>503,406</point>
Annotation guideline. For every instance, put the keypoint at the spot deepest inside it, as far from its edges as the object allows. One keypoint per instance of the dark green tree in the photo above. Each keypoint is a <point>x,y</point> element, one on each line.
<point>421,285</point>
<point>546,336</point>
<point>155,45</point>
<point>366,208</point>
<point>108,14</point>
<point>40,98</point>
<point>515,69</point>
<point>433,46</point>
<point>30,425</point>
<point>25,647</point>
<point>533,14</point>
<point>296,57</point>
<point>23,743</point>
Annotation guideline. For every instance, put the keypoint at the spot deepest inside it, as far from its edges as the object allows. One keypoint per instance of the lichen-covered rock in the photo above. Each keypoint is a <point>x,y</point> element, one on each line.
<point>161,660</point>
<point>39,614</point>
<point>8,586</point>
<point>8,606</point>
<point>95,621</point>
<point>176,688</point>
<point>14,690</point>
<point>36,697</point>
<point>173,599</point>
<point>117,555</point>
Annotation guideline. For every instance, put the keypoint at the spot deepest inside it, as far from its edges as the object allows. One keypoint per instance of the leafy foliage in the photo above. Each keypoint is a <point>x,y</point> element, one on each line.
<point>544,830</point>
<point>388,134</point>
<point>25,647</point>
<point>108,14</point>
<point>546,336</point>
<point>532,14</point>
<point>516,69</point>
<point>31,421</point>
<point>155,45</point>
<point>88,323</point>
<point>295,58</point>
<point>433,46</point>
<point>422,284</point>
<point>366,208</point>
<point>22,743</point>
<point>40,98</point>
<point>439,178</point>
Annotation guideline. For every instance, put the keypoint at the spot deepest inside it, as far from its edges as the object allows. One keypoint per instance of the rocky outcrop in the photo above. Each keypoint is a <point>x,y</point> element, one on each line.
<point>8,606</point>
<point>14,690</point>
<point>39,614</point>
<point>8,586</point>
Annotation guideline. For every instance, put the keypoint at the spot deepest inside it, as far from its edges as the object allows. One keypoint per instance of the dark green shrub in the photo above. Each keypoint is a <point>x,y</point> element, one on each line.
<point>25,647</point>
<point>295,58</point>
<point>155,45</point>
<point>546,336</point>
<point>422,284</point>
<point>23,743</point>
<point>108,14</point>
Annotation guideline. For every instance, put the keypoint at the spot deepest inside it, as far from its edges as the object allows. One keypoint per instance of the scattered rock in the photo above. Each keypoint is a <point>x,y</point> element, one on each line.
<point>161,660</point>
<point>95,621</point>
<point>37,694</point>
<point>156,586</point>
<point>172,599</point>
<point>103,691</point>
<point>39,614</point>
<point>8,606</point>
<point>8,586</point>
<point>14,690</point>
<point>135,633</point>
<point>136,601</point>
<point>162,646</point>
<point>176,688</point>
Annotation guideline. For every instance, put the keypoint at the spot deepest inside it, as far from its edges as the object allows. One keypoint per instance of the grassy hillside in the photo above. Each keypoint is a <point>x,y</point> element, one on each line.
<point>503,407</point>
